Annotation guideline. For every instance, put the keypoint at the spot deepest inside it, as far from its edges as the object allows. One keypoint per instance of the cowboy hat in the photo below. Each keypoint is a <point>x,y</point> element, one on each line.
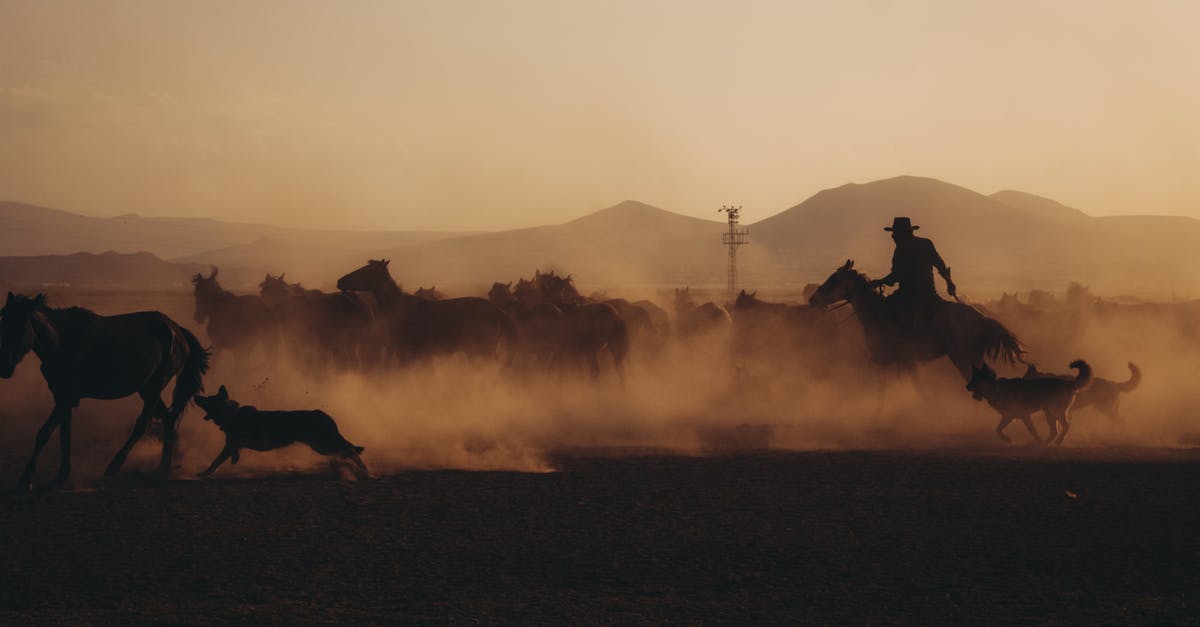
<point>901,224</point>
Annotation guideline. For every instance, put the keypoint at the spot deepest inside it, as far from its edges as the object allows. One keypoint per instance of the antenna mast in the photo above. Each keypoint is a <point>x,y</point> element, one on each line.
<point>734,237</point>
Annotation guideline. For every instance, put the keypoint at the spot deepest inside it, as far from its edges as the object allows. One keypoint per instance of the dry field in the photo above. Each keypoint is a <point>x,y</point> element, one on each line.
<point>609,505</point>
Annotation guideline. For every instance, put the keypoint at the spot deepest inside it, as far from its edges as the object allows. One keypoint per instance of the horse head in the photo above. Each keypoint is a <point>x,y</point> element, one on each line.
<point>683,298</point>
<point>558,289</point>
<point>501,294</point>
<point>746,300</point>
<point>840,286</point>
<point>206,291</point>
<point>274,289</point>
<point>17,329</point>
<point>429,293</point>
<point>372,277</point>
<point>528,292</point>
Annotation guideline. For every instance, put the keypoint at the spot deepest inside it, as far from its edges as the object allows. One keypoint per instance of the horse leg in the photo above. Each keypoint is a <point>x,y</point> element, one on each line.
<point>64,442</point>
<point>139,428</point>
<point>618,358</point>
<point>170,438</point>
<point>61,410</point>
<point>593,362</point>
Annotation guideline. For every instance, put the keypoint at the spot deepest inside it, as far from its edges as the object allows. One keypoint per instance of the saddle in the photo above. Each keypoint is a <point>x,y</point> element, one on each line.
<point>913,315</point>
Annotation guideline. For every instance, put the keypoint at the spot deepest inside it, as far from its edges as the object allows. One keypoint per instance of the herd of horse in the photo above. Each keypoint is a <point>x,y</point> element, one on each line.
<point>542,323</point>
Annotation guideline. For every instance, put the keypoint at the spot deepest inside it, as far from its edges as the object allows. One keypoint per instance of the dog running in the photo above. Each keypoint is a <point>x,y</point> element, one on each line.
<point>246,426</point>
<point>1018,399</point>
<point>1103,394</point>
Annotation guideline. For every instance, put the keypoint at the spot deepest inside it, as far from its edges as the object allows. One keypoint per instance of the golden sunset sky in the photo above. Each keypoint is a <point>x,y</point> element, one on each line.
<point>495,114</point>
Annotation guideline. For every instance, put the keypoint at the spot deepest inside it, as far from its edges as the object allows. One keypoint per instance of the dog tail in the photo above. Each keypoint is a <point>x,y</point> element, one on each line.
<point>1135,377</point>
<point>1085,374</point>
<point>189,382</point>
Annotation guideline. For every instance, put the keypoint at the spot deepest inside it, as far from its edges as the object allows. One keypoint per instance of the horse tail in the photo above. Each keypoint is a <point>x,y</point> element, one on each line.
<point>1000,344</point>
<point>1085,374</point>
<point>1135,377</point>
<point>190,380</point>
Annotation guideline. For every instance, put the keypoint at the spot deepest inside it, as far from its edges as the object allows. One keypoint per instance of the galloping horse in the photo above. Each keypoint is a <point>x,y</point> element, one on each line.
<point>782,332</point>
<point>954,330</point>
<point>235,322</point>
<point>421,328</point>
<point>573,333</point>
<point>340,325</point>
<point>85,355</point>
<point>557,290</point>
<point>696,320</point>
<point>429,293</point>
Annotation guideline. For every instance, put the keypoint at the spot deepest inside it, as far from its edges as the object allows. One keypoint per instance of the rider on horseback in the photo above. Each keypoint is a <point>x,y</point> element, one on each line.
<point>912,267</point>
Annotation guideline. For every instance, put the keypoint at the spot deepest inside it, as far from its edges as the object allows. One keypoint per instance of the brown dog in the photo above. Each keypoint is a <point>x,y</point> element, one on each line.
<point>249,427</point>
<point>1018,399</point>
<point>1103,394</point>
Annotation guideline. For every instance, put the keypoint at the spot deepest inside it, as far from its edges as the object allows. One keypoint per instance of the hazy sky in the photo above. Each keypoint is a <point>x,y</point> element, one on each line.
<point>504,113</point>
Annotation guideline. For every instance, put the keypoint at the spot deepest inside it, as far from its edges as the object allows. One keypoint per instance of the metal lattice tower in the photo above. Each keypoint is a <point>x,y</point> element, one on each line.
<point>733,238</point>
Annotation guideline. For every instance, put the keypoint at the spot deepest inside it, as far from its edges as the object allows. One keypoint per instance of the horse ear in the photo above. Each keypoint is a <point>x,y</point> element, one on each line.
<point>11,296</point>
<point>222,393</point>
<point>213,275</point>
<point>40,300</point>
<point>509,284</point>
<point>754,294</point>
<point>386,261</point>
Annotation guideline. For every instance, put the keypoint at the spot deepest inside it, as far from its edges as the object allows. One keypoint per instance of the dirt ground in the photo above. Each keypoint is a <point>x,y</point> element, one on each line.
<point>625,521</point>
<point>969,536</point>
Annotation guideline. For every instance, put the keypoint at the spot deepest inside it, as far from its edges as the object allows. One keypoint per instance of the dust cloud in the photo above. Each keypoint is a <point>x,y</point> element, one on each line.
<point>726,392</point>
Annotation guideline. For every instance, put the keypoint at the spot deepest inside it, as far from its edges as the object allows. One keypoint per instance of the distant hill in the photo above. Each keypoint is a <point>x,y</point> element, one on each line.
<point>1039,206</point>
<point>630,243</point>
<point>1004,241</point>
<point>27,230</point>
<point>140,270</point>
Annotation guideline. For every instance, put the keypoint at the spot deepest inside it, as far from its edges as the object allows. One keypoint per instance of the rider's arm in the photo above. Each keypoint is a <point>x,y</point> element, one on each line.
<point>942,269</point>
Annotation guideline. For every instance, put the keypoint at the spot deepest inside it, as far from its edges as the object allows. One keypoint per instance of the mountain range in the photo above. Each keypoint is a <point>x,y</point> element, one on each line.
<point>1004,241</point>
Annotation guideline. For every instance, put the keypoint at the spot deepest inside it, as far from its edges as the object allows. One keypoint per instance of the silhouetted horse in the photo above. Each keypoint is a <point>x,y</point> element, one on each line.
<point>421,328</point>
<point>693,320</point>
<point>536,344</point>
<point>658,317</point>
<point>780,331</point>
<point>85,355</point>
<point>574,334</point>
<point>339,327</point>
<point>549,287</point>
<point>429,293</point>
<point>236,322</point>
<point>954,330</point>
